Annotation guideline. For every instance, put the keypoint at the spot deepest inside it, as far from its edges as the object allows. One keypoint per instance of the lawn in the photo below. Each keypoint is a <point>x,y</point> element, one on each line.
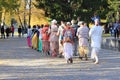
<point>106,35</point>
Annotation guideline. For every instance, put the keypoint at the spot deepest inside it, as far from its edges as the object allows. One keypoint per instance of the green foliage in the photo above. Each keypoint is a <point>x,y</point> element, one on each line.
<point>59,9</point>
<point>69,9</point>
<point>106,35</point>
<point>95,6</point>
<point>8,7</point>
<point>114,8</point>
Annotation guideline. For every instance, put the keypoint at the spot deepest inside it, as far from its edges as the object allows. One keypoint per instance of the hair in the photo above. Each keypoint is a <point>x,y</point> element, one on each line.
<point>38,27</point>
<point>29,26</point>
<point>82,23</point>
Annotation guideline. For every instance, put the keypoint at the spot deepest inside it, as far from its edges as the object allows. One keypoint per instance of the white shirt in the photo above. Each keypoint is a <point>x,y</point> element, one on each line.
<point>96,36</point>
<point>29,32</point>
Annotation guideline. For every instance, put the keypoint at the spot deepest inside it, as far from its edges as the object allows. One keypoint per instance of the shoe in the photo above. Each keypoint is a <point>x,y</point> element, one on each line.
<point>71,60</point>
<point>96,62</point>
<point>60,55</point>
<point>68,61</point>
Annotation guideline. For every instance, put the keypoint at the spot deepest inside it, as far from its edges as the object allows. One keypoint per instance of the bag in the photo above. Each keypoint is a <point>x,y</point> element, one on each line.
<point>68,36</point>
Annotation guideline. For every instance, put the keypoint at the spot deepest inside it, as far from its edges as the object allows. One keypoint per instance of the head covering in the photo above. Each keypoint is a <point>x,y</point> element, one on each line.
<point>68,23</point>
<point>96,20</point>
<point>54,21</point>
<point>47,25</point>
<point>80,22</point>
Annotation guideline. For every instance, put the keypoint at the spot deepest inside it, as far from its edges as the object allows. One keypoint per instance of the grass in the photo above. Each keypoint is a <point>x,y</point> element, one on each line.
<point>106,35</point>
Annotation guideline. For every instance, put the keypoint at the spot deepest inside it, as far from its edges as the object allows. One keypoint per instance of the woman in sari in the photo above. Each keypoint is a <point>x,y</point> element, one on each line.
<point>54,39</point>
<point>40,39</point>
<point>45,40</point>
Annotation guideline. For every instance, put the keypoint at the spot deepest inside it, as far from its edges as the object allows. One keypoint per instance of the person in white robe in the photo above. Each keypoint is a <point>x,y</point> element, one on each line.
<point>68,43</point>
<point>96,37</point>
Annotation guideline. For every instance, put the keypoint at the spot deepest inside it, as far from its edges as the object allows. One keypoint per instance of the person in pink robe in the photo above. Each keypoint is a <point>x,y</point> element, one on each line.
<point>45,40</point>
<point>54,39</point>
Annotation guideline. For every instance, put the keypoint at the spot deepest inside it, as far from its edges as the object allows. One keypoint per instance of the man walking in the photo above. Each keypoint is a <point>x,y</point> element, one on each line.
<point>96,37</point>
<point>83,36</point>
<point>2,32</point>
<point>19,31</point>
<point>54,39</point>
<point>75,46</point>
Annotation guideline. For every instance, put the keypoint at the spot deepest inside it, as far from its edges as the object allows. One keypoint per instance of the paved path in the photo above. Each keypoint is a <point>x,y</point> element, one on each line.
<point>18,62</point>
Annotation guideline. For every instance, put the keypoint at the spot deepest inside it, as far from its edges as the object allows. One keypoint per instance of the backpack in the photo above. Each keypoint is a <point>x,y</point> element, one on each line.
<point>68,36</point>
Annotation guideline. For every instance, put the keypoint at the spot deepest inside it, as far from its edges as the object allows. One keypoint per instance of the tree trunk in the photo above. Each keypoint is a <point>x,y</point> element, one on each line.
<point>19,18</point>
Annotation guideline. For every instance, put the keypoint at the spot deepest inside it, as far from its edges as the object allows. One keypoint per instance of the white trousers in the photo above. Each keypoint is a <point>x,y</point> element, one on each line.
<point>94,54</point>
<point>68,50</point>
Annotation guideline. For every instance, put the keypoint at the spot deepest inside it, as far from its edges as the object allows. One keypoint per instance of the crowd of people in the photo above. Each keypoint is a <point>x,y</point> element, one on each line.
<point>7,31</point>
<point>67,39</point>
<point>114,28</point>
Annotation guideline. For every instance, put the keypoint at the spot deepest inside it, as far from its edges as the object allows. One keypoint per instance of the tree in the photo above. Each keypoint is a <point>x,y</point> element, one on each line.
<point>113,14</point>
<point>68,9</point>
<point>95,6</point>
<point>59,9</point>
<point>8,7</point>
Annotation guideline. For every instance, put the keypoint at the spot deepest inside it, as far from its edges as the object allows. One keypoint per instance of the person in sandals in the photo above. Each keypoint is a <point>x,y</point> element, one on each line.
<point>68,34</point>
<point>83,36</point>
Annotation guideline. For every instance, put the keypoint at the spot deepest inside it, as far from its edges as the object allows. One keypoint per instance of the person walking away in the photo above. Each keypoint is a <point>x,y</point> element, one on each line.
<point>68,36</point>
<point>45,40</point>
<point>29,34</point>
<point>96,37</point>
<point>83,36</point>
<point>2,32</point>
<point>95,17</point>
<point>75,27</point>
<point>111,28</point>
<point>60,32</point>
<point>35,39</point>
<point>12,30</point>
<point>116,29</point>
<point>19,31</point>
<point>54,39</point>
<point>40,39</point>
<point>7,32</point>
